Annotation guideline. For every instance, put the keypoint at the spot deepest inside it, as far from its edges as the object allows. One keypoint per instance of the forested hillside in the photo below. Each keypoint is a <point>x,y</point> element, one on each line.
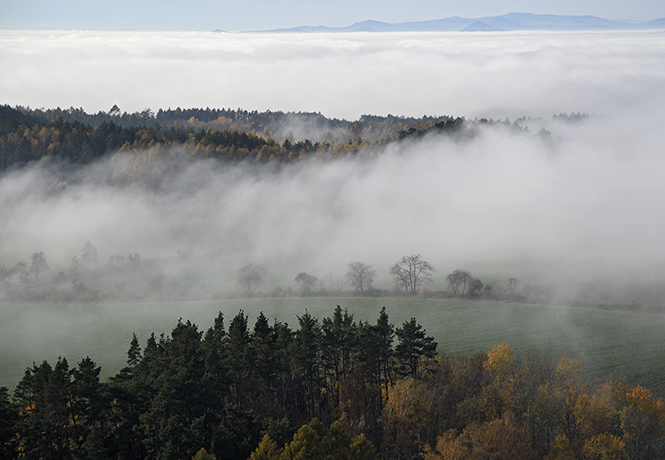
<point>329,389</point>
<point>233,135</point>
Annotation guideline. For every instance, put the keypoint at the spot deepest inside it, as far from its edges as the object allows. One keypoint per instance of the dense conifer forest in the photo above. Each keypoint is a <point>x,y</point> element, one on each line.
<point>332,388</point>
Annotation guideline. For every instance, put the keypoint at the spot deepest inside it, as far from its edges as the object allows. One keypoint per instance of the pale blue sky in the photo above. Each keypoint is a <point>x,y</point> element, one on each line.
<point>235,15</point>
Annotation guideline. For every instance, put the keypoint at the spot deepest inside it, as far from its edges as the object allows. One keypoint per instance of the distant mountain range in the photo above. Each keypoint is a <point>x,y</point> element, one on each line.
<point>507,22</point>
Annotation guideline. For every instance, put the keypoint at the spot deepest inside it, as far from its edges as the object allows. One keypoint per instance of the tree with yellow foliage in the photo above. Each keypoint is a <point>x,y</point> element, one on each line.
<point>501,439</point>
<point>561,450</point>
<point>643,424</point>
<point>494,398</point>
<point>605,446</point>
<point>406,415</point>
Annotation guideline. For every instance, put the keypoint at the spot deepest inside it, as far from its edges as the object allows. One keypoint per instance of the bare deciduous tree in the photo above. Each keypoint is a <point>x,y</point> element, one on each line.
<point>360,275</point>
<point>458,281</point>
<point>412,271</point>
<point>462,282</point>
<point>250,274</point>
<point>333,284</point>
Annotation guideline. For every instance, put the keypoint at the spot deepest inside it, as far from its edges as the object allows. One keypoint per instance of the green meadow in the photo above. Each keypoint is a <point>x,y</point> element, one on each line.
<point>627,345</point>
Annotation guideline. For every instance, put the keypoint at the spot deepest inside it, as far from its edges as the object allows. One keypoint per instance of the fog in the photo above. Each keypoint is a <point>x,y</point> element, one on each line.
<point>585,204</point>
<point>340,75</point>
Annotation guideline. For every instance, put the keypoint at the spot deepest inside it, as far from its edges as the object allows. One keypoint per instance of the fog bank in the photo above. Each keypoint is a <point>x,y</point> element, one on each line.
<point>584,204</point>
<point>340,75</point>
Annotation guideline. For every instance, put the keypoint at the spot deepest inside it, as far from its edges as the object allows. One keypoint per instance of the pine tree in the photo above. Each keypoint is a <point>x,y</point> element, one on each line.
<point>413,344</point>
<point>8,421</point>
<point>134,352</point>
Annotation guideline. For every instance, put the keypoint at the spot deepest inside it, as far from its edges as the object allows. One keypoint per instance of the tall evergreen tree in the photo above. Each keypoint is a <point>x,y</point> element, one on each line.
<point>134,352</point>
<point>8,421</point>
<point>412,345</point>
<point>44,428</point>
<point>306,362</point>
<point>263,345</point>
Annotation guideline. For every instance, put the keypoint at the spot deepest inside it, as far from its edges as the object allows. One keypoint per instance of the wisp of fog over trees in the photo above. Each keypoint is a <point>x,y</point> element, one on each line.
<point>505,203</point>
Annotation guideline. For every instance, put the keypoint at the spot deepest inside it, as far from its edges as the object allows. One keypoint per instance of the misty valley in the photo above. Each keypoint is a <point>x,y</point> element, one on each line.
<point>234,284</point>
<point>210,204</point>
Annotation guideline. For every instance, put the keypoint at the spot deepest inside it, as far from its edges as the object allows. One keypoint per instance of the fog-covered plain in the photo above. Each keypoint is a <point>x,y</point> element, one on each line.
<point>585,204</point>
<point>340,75</point>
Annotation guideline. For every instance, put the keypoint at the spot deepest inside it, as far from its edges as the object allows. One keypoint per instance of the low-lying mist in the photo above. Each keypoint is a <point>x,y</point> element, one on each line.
<point>576,208</point>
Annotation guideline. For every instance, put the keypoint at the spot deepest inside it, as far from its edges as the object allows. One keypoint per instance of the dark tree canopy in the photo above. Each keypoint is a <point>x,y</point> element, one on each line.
<point>412,345</point>
<point>462,283</point>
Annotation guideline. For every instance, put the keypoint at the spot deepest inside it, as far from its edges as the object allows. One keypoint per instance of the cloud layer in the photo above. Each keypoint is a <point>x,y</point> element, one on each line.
<point>339,75</point>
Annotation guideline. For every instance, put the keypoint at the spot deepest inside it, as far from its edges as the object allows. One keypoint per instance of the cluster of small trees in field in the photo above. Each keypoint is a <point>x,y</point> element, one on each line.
<point>329,389</point>
<point>410,276</point>
<point>88,279</point>
<point>413,272</point>
<point>26,282</point>
<point>24,272</point>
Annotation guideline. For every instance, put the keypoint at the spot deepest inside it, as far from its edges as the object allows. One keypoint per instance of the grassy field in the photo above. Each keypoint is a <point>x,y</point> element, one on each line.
<point>629,345</point>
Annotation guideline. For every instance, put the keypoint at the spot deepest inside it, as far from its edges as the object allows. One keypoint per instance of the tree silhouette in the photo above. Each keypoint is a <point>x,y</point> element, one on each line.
<point>412,271</point>
<point>38,264</point>
<point>360,276</point>
<point>88,255</point>
<point>306,282</point>
<point>462,282</point>
<point>250,274</point>
<point>412,345</point>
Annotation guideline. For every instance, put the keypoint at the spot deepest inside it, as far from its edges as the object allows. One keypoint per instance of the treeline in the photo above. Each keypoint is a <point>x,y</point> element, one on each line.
<point>89,279</point>
<point>79,137</point>
<point>234,135</point>
<point>276,124</point>
<point>26,139</point>
<point>38,282</point>
<point>330,389</point>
